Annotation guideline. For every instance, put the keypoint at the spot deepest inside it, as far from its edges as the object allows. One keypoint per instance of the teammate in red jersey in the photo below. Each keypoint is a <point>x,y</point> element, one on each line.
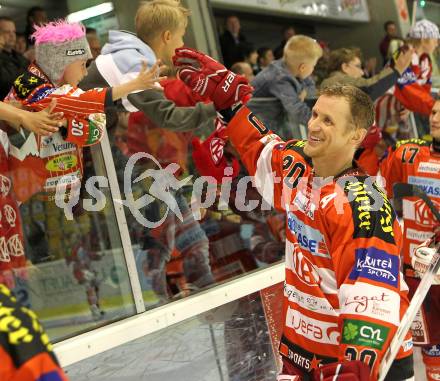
<point>344,297</point>
<point>417,162</point>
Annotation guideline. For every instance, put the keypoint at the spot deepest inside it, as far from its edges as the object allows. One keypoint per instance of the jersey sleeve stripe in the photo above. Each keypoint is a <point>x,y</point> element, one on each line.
<point>264,175</point>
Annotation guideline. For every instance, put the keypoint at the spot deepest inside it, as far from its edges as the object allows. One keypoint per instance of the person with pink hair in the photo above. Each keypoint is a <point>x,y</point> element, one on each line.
<point>61,53</point>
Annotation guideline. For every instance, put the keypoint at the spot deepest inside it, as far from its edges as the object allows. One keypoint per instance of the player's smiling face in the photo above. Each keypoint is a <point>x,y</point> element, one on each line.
<point>434,121</point>
<point>329,129</point>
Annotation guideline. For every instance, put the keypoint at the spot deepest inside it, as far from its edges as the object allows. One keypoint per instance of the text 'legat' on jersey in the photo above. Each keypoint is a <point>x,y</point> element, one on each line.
<point>344,295</point>
<point>413,161</point>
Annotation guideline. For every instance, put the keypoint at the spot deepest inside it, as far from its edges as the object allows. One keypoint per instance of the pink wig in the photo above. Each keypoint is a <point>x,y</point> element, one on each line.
<point>57,32</point>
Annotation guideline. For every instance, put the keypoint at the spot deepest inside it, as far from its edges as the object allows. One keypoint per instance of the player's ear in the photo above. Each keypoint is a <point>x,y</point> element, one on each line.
<point>344,67</point>
<point>358,136</point>
<point>166,36</point>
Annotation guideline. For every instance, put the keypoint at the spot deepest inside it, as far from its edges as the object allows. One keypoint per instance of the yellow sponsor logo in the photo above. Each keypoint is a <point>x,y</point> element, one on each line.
<point>62,163</point>
<point>362,204</point>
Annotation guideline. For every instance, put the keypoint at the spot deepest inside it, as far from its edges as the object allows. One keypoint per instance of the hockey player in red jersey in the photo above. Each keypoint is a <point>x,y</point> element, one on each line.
<point>344,297</point>
<point>417,162</point>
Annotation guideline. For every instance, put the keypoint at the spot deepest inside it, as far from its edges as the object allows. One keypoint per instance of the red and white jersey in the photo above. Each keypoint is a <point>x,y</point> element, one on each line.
<point>11,234</point>
<point>343,295</point>
<point>413,88</point>
<point>414,162</point>
<point>37,163</point>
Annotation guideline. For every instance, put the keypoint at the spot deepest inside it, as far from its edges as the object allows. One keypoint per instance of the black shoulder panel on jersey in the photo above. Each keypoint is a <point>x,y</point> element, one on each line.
<point>414,141</point>
<point>26,83</point>
<point>298,146</point>
<point>373,215</point>
<point>23,337</point>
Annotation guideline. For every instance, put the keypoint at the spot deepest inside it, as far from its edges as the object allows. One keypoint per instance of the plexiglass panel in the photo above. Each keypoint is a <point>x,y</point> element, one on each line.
<point>237,341</point>
<point>73,271</point>
<point>183,244</point>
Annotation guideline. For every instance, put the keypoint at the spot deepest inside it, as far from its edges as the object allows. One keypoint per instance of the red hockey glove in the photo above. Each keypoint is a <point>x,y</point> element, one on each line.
<point>209,157</point>
<point>343,371</point>
<point>211,80</point>
<point>372,138</point>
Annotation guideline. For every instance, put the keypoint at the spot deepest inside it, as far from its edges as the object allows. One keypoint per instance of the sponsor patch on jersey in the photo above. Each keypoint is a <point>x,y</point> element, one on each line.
<point>55,145</point>
<point>62,163</point>
<point>306,271</point>
<point>312,329</point>
<point>428,167</point>
<point>302,266</point>
<point>68,180</point>
<point>364,333</point>
<point>433,351</point>
<point>305,205</point>
<point>307,237</point>
<point>369,300</point>
<point>417,235</point>
<point>302,358</point>
<point>307,301</point>
<point>373,215</point>
<point>430,186</point>
<point>419,142</point>
<point>419,212</point>
<point>41,93</point>
<point>377,265</point>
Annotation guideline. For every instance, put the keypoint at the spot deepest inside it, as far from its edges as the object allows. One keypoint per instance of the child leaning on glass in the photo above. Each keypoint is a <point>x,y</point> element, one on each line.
<point>61,51</point>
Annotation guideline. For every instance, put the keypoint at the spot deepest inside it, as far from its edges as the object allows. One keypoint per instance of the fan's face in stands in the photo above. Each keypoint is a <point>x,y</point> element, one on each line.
<point>353,68</point>
<point>267,59</point>
<point>7,30</point>
<point>171,41</point>
<point>74,73</point>
<point>233,25</point>
<point>429,45</point>
<point>391,30</point>
<point>434,121</point>
<point>329,131</point>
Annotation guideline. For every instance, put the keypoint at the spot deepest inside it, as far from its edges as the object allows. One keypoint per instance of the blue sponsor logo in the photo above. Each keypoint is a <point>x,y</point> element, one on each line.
<point>41,94</point>
<point>430,186</point>
<point>307,237</point>
<point>433,351</point>
<point>376,265</point>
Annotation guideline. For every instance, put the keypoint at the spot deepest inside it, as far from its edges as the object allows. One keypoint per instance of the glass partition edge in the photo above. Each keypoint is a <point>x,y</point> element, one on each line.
<point>122,224</point>
<point>102,339</point>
